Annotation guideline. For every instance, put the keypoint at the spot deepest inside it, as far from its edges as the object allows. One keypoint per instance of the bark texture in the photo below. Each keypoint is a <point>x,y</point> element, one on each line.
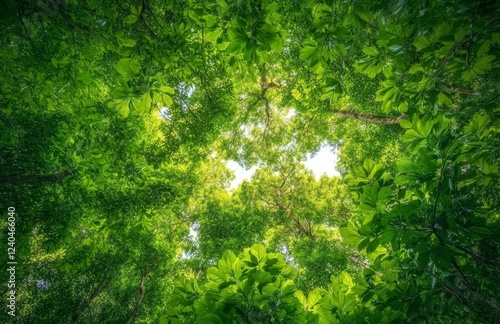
<point>142,291</point>
<point>371,118</point>
<point>86,303</point>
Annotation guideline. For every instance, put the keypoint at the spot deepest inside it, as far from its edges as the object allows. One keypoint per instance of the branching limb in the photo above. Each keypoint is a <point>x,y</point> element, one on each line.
<point>86,302</point>
<point>142,291</point>
<point>371,118</point>
<point>462,91</point>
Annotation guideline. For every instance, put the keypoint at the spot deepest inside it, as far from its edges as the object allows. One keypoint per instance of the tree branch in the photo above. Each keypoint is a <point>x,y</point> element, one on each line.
<point>199,273</point>
<point>478,257</point>
<point>86,302</point>
<point>143,21</point>
<point>297,222</point>
<point>463,91</point>
<point>142,291</point>
<point>371,118</point>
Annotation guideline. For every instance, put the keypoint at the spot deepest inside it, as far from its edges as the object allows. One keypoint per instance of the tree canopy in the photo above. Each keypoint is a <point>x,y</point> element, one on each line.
<point>118,119</point>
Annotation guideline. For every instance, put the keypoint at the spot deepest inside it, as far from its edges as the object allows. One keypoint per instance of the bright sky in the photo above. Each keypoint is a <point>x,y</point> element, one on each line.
<point>324,162</point>
<point>240,173</point>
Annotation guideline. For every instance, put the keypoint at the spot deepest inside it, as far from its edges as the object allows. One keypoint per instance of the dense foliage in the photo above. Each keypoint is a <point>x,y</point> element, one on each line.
<point>117,120</point>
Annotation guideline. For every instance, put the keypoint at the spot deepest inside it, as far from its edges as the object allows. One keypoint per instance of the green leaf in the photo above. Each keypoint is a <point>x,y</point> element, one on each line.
<point>460,35</point>
<point>469,75</point>
<point>441,256</point>
<point>362,245</point>
<point>422,42</point>
<point>370,195</point>
<point>350,234</point>
<point>387,235</point>
<point>210,20</point>
<point>377,171</point>
<point>314,297</point>
<point>340,49</point>
<point>483,64</point>
<point>123,108</point>
<point>319,7</point>
<point>490,169</point>
<point>371,51</point>
<point>227,262</point>
<point>210,319</point>
<point>405,124</point>
<point>167,100</point>
<point>226,284</point>
<point>483,49</point>
<point>421,128</point>
<point>365,15</point>
<point>262,277</point>
<point>308,49</point>
<point>443,99</point>
<point>130,19</point>
<point>259,251</point>
<point>302,298</point>
<point>128,66</point>
<point>237,36</point>
<point>216,275</point>
<point>213,36</point>
<point>166,89</point>
<point>481,230</point>
<point>478,125</point>
<point>85,78</point>
<point>127,42</point>
<point>372,246</point>
<point>371,65</point>
<point>288,288</point>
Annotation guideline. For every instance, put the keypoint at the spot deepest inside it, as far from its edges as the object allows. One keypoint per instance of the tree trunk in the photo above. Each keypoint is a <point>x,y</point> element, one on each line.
<point>142,291</point>
<point>86,303</point>
<point>30,179</point>
<point>370,118</point>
